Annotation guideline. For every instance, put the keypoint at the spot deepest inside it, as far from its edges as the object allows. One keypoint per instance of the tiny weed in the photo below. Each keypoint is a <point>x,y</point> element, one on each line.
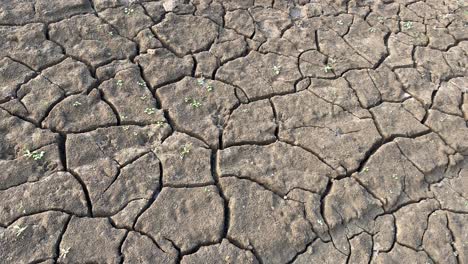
<point>128,11</point>
<point>328,68</point>
<point>193,102</point>
<point>64,252</point>
<point>381,19</point>
<point>141,83</point>
<point>366,169</point>
<point>111,33</point>
<point>407,25</point>
<point>126,128</point>
<point>35,155</point>
<point>372,29</point>
<point>185,150</point>
<point>76,103</point>
<point>394,176</point>
<point>277,69</point>
<point>150,111</point>
<point>160,123</point>
<point>203,83</point>
<point>143,97</point>
<point>340,22</point>
<point>209,88</point>
<point>19,230</point>
<point>119,82</point>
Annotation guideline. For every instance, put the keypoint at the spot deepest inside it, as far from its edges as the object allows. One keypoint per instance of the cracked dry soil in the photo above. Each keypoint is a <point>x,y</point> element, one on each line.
<point>238,131</point>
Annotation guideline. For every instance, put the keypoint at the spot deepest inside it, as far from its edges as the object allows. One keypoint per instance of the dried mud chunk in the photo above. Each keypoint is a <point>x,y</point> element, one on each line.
<point>86,37</point>
<point>78,113</point>
<point>137,180</point>
<point>439,38</point>
<point>275,228</point>
<point>34,99</point>
<point>141,249</point>
<point>428,153</point>
<point>457,223</point>
<point>17,135</point>
<point>261,75</point>
<point>409,233</point>
<point>32,238</point>
<point>29,169</point>
<point>59,191</point>
<point>279,166</point>
<point>394,120</point>
<point>224,252</point>
<point>271,22</point>
<point>451,128</point>
<point>361,248</point>
<point>338,93</point>
<point>185,161</point>
<point>162,67</point>
<point>186,216</point>
<point>400,53</point>
<point>392,178</point>
<point>241,21</point>
<point>108,71</point>
<point>344,138</point>
<point>28,44</point>
<point>399,253</point>
<point>128,20</point>
<point>207,64</point>
<point>437,240</point>
<point>16,12</point>
<point>348,201</point>
<point>434,62</point>
<point>146,41</point>
<point>90,240</point>
<point>364,87</point>
<point>132,99</point>
<point>320,252</point>
<point>155,10</point>
<point>341,56</point>
<point>254,122</point>
<point>417,84</point>
<point>389,86</point>
<point>12,75</point>
<point>77,78</point>
<point>54,10</point>
<point>126,217</point>
<point>368,42</point>
<point>452,193</point>
<point>186,34</point>
<point>384,233</point>
<point>449,97</point>
<point>198,106</point>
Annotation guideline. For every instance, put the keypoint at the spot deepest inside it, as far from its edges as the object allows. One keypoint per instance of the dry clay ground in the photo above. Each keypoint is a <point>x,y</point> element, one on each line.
<point>239,131</point>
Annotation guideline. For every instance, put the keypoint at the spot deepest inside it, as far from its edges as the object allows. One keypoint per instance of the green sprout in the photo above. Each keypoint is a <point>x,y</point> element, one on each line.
<point>76,103</point>
<point>381,19</point>
<point>328,68</point>
<point>143,97</point>
<point>202,82</point>
<point>407,25</point>
<point>119,82</point>
<point>35,155</point>
<point>277,69</point>
<point>340,22</point>
<point>128,11</point>
<point>141,83</point>
<point>185,150</point>
<point>372,29</point>
<point>64,252</point>
<point>366,169</point>
<point>19,230</point>
<point>193,102</point>
<point>150,111</point>
<point>160,123</point>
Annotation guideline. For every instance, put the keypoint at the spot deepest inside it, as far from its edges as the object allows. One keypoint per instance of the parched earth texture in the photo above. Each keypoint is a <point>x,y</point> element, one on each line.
<point>240,131</point>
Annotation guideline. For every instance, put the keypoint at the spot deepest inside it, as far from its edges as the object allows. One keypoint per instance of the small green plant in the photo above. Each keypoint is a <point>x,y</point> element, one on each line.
<point>193,102</point>
<point>141,83</point>
<point>185,150</point>
<point>126,128</point>
<point>160,123</point>
<point>64,252</point>
<point>381,19</point>
<point>76,103</point>
<point>372,29</point>
<point>143,97</point>
<point>328,68</point>
<point>150,111</point>
<point>340,22</point>
<point>395,177</point>
<point>366,169</point>
<point>111,33</point>
<point>19,230</point>
<point>277,69</point>
<point>35,155</point>
<point>119,82</point>
<point>203,83</point>
<point>407,24</point>
<point>128,11</point>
